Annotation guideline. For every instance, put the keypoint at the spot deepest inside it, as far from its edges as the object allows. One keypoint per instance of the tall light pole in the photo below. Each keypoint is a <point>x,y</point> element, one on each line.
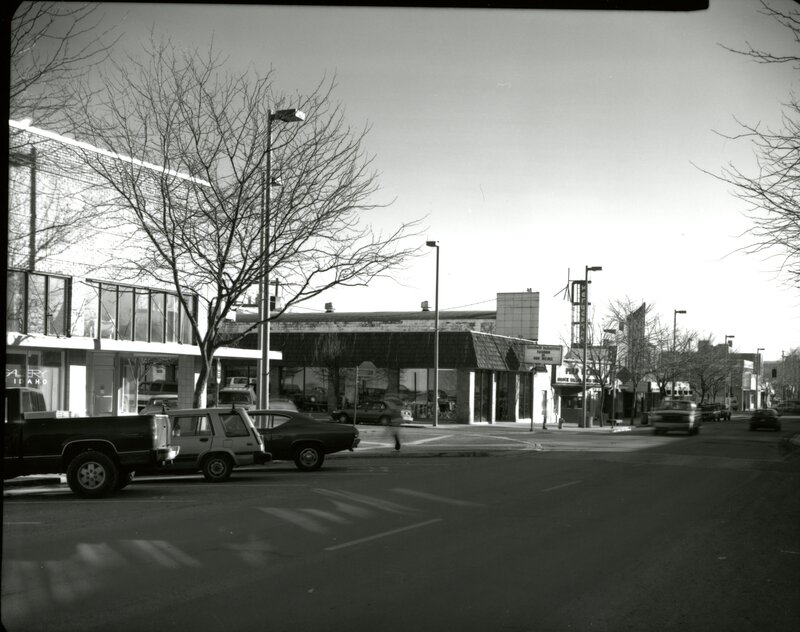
<point>286,116</point>
<point>675,313</point>
<point>435,244</point>
<point>728,369</point>
<point>586,330</point>
<point>758,376</point>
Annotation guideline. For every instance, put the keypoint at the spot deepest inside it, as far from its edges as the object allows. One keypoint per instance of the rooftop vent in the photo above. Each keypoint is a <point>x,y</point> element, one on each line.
<point>328,308</point>
<point>424,306</point>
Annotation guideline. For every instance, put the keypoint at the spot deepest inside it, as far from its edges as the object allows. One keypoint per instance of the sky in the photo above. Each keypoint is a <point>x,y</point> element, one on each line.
<point>533,143</point>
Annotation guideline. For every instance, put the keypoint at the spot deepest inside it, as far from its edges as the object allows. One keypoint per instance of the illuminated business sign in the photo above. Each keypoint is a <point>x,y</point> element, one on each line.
<point>543,354</point>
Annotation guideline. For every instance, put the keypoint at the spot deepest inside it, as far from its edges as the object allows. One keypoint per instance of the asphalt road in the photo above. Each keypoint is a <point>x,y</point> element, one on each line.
<point>556,531</point>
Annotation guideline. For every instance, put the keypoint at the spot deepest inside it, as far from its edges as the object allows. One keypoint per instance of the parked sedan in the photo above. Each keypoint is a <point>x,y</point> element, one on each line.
<point>294,436</point>
<point>386,411</point>
<point>765,418</point>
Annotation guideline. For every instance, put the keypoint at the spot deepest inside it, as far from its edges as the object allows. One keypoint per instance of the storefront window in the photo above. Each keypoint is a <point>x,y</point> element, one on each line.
<point>172,318</point>
<point>142,311</point>
<point>157,317</point>
<point>85,302</point>
<point>130,386</point>
<point>56,306</point>
<point>186,333</point>
<point>36,303</point>
<point>483,395</point>
<point>15,302</point>
<point>108,311</point>
<point>525,396</point>
<point>125,325</point>
<point>42,370</point>
<point>292,381</point>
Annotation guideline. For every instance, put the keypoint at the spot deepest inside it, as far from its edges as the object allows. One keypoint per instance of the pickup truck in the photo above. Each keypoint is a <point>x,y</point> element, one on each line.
<point>214,441</point>
<point>98,454</point>
<point>676,415</point>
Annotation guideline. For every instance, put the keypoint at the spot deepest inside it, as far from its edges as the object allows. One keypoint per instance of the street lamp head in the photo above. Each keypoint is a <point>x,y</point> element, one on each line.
<point>680,311</point>
<point>610,331</point>
<point>432,244</point>
<point>594,268</point>
<point>288,116</point>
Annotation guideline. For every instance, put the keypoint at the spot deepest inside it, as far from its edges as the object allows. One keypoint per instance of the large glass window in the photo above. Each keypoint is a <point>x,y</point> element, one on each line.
<point>42,370</point>
<point>172,314</point>
<point>525,396</point>
<point>483,395</point>
<point>108,311</point>
<point>142,313</point>
<point>125,307</point>
<point>15,302</point>
<point>85,304</point>
<point>186,335</point>
<point>57,321</point>
<point>157,317</point>
<point>37,303</point>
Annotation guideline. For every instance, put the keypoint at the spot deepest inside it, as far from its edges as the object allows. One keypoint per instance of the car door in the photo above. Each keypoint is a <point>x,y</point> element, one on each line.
<point>194,434</point>
<point>237,438</point>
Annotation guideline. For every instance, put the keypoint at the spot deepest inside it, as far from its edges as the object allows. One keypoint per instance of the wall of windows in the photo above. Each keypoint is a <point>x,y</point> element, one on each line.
<point>37,303</point>
<point>55,306</point>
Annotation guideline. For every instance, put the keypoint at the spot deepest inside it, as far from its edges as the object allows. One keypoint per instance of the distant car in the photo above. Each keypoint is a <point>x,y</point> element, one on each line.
<point>148,390</point>
<point>710,412</point>
<point>724,412</point>
<point>386,411</point>
<point>788,408</point>
<point>237,396</point>
<point>765,418</point>
<point>302,439</point>
<point>160,404</point>
<point>676,415</point>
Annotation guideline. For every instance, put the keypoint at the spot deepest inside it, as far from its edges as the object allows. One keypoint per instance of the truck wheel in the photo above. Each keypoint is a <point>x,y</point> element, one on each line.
<point>92,474</point>
<point>309,458</point>
<point>217,468</point>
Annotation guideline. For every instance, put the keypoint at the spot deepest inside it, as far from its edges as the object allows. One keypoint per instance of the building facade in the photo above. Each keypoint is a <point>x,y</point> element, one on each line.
<point>76,327</point>
<point>331,359</point>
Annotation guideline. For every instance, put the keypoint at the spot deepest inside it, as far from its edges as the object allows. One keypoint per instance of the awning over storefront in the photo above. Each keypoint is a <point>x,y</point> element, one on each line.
<point>401,349</point>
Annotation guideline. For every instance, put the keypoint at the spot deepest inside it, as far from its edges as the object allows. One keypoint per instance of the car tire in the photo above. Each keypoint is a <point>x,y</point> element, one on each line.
<point>309,458</point>
<point>92,474</point>
<point>384,421</point>
<point>343,418</point>
<point>217,468</point>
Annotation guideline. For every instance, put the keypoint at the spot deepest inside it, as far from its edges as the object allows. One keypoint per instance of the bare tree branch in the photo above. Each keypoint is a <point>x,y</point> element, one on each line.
<point>194,138</point>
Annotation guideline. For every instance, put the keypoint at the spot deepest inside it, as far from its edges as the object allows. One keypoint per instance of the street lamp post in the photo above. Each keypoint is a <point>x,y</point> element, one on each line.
<point>728,370</point>
<point>758,376</point>
<point>435,244</point>
<point>674,331</point>
<point>586,330</point>
<point>286,116</point>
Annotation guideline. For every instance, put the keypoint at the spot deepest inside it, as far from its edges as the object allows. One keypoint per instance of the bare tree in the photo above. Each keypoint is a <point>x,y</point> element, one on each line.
<point>770,191</point>
<point>641,333</point>
<point>708,371</point>
<point>51,45</point>
<point>191,184</point>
